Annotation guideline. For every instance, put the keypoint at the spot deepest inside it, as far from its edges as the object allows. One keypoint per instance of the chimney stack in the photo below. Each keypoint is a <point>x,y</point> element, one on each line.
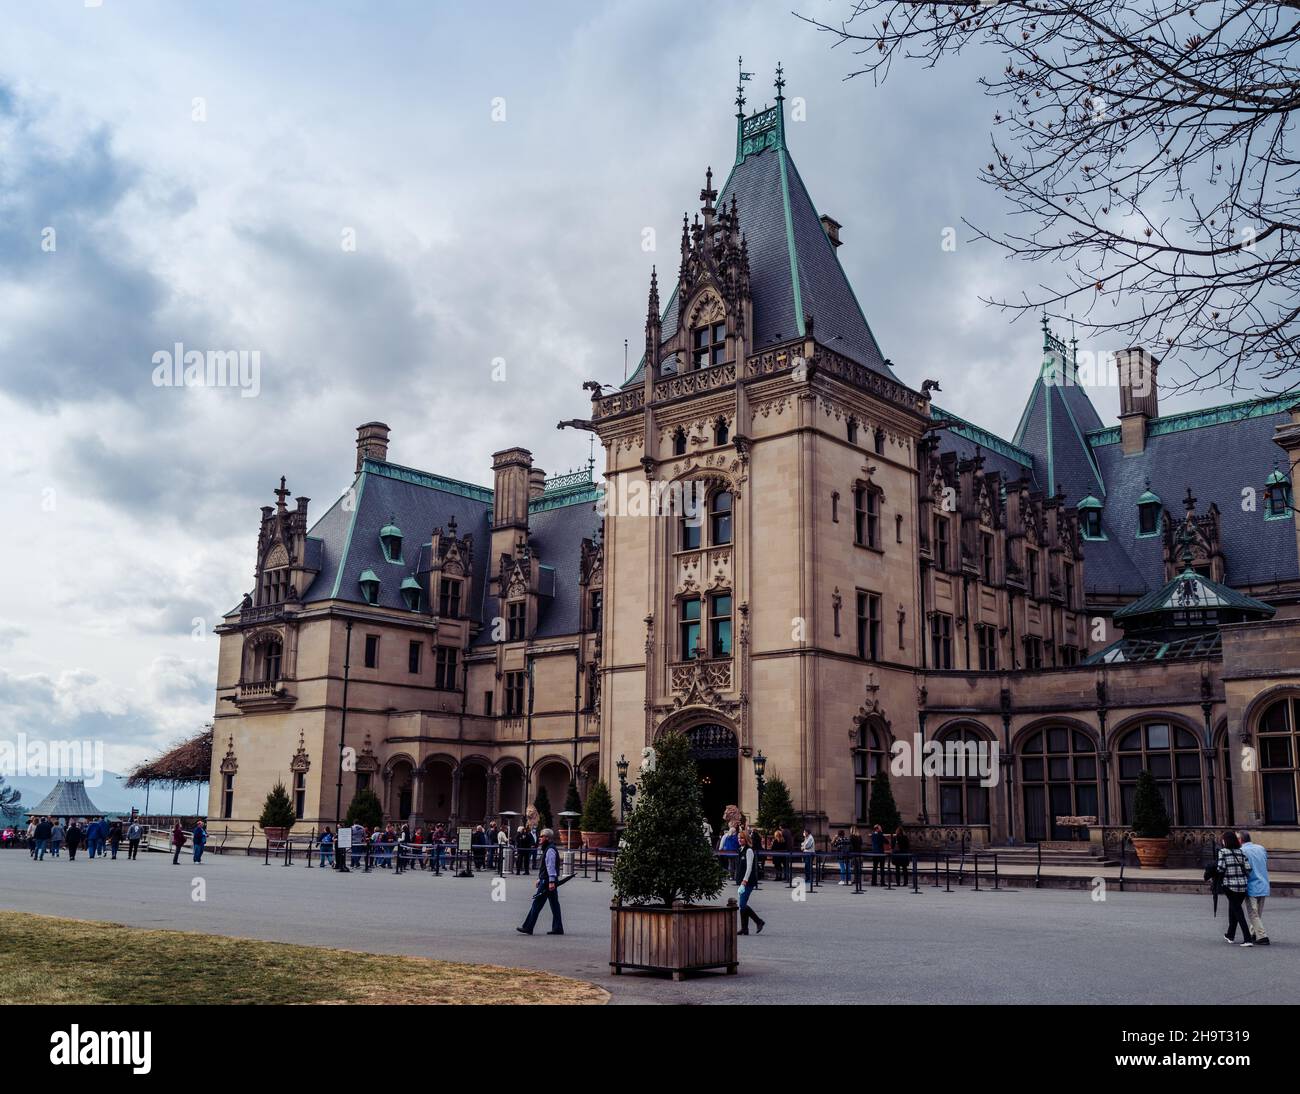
<point>372,442</point>
<point>832,227</point>
<point>1138,399</point>
<point>512,478</point>
<point>536,482</point>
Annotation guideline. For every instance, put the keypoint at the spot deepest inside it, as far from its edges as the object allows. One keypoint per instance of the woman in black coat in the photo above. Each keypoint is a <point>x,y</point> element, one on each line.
<point>72,837</point>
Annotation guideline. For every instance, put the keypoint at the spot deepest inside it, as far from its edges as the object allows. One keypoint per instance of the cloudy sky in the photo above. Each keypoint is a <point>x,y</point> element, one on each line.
<point>182,172</point>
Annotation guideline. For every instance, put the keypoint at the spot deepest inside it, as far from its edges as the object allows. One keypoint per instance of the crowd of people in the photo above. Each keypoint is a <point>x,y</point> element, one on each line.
<point>99,837</point>
<point>888,852</point>
<point>428,848</point>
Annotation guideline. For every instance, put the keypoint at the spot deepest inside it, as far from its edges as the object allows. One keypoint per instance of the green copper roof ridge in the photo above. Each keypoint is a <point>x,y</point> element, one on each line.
<point>1004,447</point>
<point>1050,485</point>
<point>1184,420</point>
<point>790,244</point>
<point>1018,438</point>
<point>360,487</point>
<point>427,479</point>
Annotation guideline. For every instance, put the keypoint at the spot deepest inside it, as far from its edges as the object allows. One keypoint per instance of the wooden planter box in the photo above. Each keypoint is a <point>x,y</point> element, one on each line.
<point>680,939</point>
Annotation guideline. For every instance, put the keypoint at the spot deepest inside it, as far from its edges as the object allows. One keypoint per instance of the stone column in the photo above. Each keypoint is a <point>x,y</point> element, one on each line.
<point>417,798</point>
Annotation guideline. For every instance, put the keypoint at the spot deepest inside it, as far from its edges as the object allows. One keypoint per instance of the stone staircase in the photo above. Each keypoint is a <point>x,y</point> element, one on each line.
<point>1059,853</point>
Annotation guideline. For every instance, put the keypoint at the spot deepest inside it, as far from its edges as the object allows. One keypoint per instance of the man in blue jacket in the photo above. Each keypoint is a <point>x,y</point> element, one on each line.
<point>1256,887</point>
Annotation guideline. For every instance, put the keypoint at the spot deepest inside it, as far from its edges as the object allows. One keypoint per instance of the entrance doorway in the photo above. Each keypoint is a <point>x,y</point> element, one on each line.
<point>717,758</point>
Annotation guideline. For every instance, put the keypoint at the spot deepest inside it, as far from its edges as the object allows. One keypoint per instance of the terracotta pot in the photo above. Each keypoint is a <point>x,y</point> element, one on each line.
<point>273,834</point>
<point>569,838</point>
<point>678,940</point>
<point>597,839</point>
<point>1151,853</point>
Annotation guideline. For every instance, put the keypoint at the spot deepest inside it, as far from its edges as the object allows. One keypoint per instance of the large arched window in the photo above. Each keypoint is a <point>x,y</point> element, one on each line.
<point>1173,757</point>
<point>962,798</point>
<point>1278,736</point>
<point>1058,773</point>
<point>869,756</point>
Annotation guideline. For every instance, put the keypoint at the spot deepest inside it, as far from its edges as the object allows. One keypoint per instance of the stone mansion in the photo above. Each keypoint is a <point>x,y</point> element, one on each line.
<point>866,567</point>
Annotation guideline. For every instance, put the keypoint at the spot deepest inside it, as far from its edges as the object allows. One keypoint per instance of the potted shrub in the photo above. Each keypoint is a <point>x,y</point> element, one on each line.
<point>598,817</point>
<point>1150,823</point>
<point>366,810</point>
<point>664,867</point>
<point>277,814</point>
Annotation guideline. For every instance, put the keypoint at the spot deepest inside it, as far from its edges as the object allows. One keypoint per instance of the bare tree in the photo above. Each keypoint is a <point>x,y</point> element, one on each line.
<point>1146,149</point>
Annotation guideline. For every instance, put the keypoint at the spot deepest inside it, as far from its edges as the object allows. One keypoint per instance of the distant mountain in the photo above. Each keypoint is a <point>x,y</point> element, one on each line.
<point>112,796</point>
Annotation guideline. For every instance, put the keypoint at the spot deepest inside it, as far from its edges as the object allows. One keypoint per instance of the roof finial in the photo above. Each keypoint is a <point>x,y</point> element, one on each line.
<point>740,89</point>
<point>780,81</point>
<point>1189,503</point>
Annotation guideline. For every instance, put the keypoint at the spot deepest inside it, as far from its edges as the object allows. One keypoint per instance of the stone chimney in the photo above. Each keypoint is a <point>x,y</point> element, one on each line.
<point>832,227</point>
<point>1138,399</point>
<point>536,482</point>
<point>512,470</point>
<point>372,442</point>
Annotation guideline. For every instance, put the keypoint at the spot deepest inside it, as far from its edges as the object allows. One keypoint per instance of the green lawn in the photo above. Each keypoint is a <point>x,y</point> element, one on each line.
<point>44,959</point>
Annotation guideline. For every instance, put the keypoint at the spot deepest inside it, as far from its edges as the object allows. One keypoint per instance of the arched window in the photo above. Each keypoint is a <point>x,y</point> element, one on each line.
<point>962,798</point>
<point>878,442</point>
<point>679,442</point>
<point>1058,774</point>
<point>721,434</point>
<point>869,756</point>
<point>720,518</point>
<point>1173,756</point>
<point>851,428</point>
<point>1279,739</point>
<point>266,661</point>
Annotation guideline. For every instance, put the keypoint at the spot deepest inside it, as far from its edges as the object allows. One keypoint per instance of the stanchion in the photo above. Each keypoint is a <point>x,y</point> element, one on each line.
<point>995,872</point>
<point>916,873</point>
<point>976,857</point>
<point>857,874</point>
<point>947,873</point>
<point>267,860</point>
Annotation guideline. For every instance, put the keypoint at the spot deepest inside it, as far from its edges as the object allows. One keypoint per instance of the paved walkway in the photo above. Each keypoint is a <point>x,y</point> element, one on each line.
<point>1030,946</point>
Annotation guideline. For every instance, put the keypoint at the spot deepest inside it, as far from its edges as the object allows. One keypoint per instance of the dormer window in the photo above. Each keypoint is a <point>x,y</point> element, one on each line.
<point>679,442</point>
<point>390,539</point>
<point>721,434</point>
<point>412,593</point>
<point>708,345</point>
<point>1149,508</point>
<point>1090,518</point>
<point>449,598</point>
<point>369,586</point>
<point>1278,500</point>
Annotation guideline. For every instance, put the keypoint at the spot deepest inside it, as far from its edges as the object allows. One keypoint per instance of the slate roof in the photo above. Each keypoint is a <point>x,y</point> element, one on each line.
<point>67,799</point>
<point>794,270</point>
<point>1191,591</point>
<point>1216,452</point>
<point>346,540</point>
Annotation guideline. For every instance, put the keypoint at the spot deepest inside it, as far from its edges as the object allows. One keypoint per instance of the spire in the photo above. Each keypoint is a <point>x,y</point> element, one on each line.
<point>780,82</point>
<point>740,86</point>
<point>652,311</point>
<point>708,195</point>
<point>281,494</point>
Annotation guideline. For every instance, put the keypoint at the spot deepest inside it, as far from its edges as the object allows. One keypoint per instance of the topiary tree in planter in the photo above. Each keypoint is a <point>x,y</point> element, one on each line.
<point>776,810</point>
<point>663,868</point>
<point>883,810</point>
<point>597,824</point>
<point>572,800</point>
<point>277,814</point>
<point>542,803</point>
<point>664,860</point>
<point>1150,822</point>
<point>366,809</point>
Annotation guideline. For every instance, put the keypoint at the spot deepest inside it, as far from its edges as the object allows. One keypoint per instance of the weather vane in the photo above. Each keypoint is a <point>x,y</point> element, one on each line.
<point>740,88</point>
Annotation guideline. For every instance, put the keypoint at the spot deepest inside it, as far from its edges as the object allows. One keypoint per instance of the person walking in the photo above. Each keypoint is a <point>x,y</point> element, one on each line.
<point>200,840</point>
<point>133,834</point>
<point>478,841</point>
<point>730,848</point>
<point>73,839</point>
<point>178,841</point>
<point>326,847</point>
<point>31,836</point>
<point>548,880</point>
<point>1234,873</point>
<point>1256,887</point>
<point>747,880</point>
<point>41,836</point>
<point>902,855</point>
<point>57,833</point>
<point>114,837</point>
<point>877,853</point>
<point>96,833</point>
<point>358,843</point>
<point>809,849</point>
<point>503,843</point>
<point>523,850</point>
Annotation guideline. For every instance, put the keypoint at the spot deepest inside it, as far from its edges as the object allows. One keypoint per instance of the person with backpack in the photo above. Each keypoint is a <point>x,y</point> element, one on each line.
<point>41,836</point>
<point>1234,872</point>
<point>114,837</point>
<point>133,834</point>
<point>73,839</point>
